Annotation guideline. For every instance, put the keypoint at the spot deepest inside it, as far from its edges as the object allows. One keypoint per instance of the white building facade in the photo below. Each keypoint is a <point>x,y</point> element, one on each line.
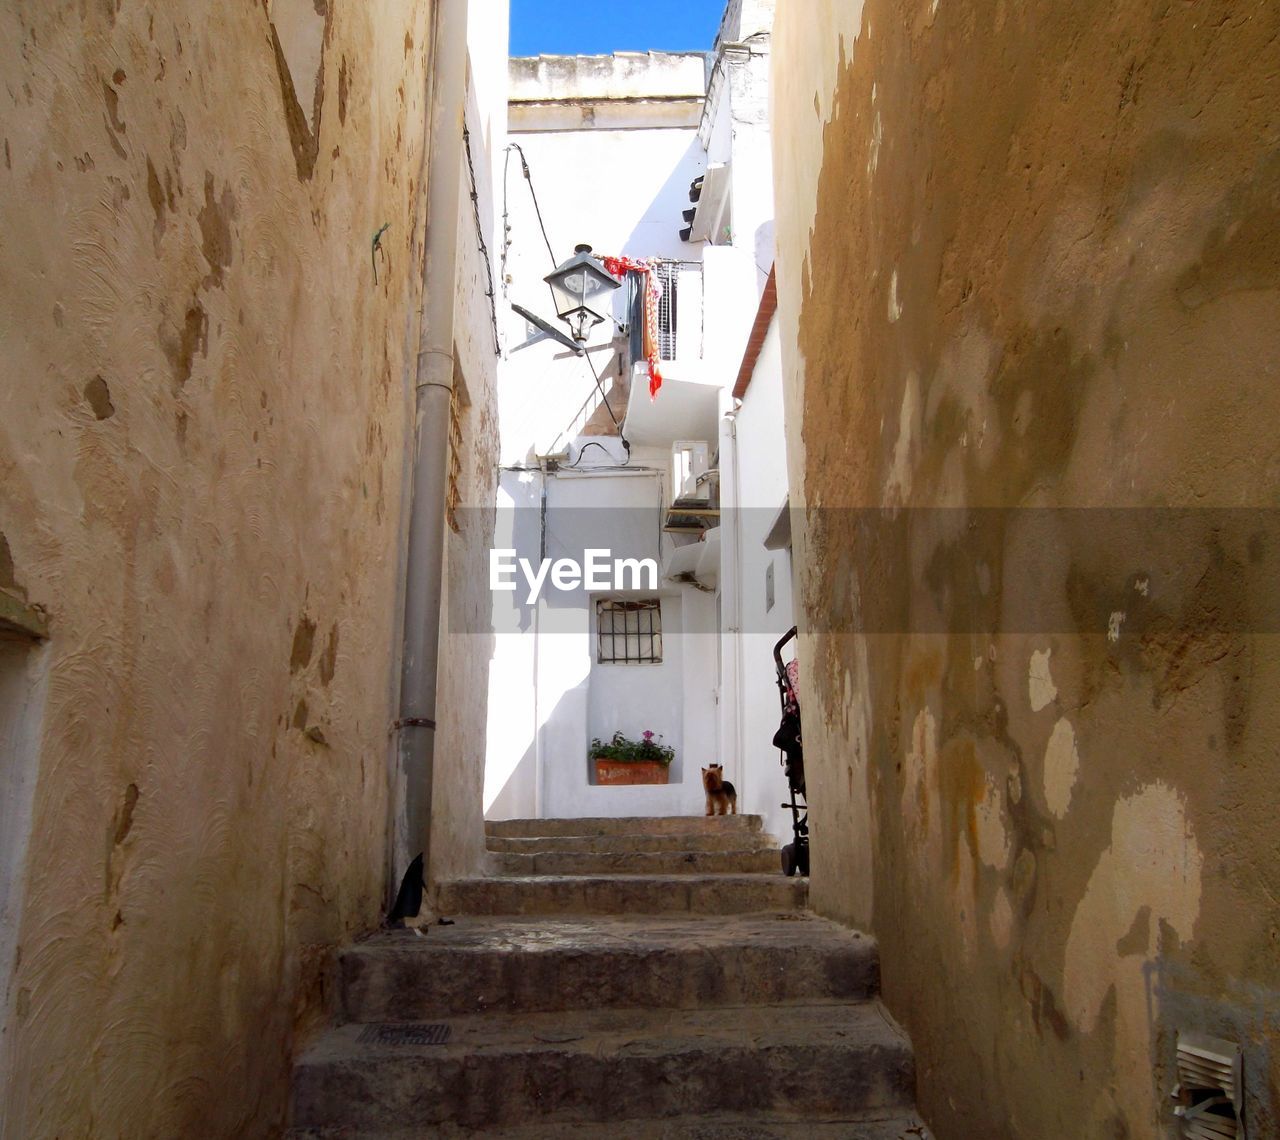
<point>661,159</point>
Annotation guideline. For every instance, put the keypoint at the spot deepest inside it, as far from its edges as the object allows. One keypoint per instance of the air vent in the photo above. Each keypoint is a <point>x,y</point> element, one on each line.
<point>1210,1091</point>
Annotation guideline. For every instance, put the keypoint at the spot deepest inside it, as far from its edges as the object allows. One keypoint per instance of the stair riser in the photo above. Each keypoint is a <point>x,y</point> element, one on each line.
<point>497,1089</point>
<point>737,1127</point>
<point>595,826</point>
<point>639,863</point>
<point>643,896</point>
<point>734,839</point>
<point>419,984</point>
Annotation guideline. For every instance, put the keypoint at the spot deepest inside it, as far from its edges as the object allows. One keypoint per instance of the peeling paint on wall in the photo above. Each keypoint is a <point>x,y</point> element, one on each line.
<point>1061,767</point>
<point>1042,689</point>
<point>1152,867</point>
<point>1012,278</point>
<point>994,845</point>
<point>1148,880</point>
<point>201,382</point>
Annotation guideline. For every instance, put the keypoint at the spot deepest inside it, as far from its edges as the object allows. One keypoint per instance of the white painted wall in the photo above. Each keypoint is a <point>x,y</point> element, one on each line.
<point>751,172</point>
<point>623,191</point>
<point>635,698</point>
<point>757,487</point>
<point>620,190</point>
<point>511,761</point>
<point>731,301</point>
<point>742,18</point>
<point>753,484</point>
<point>548,697</point>
<point>536,81</point>
<point>735,128</point>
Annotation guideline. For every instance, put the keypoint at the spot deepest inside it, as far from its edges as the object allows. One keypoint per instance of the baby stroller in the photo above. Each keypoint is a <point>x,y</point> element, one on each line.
<point>795,855</point>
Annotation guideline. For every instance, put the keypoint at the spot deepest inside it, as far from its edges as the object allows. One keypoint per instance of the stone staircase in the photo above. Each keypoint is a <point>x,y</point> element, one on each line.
<point>619,978</point>
<point>689,864</point>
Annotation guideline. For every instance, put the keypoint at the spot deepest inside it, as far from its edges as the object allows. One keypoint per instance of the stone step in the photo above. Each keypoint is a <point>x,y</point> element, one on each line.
<point>656,962</point>
<point>722,839</point>
<point>743,862</point>
<point>499,1070</point>
<point>624,825</point>
<point>622,894</point>
<point>710,1126</point>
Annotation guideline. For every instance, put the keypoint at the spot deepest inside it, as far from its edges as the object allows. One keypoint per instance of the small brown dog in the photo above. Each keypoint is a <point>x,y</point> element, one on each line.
<point>722,797</point>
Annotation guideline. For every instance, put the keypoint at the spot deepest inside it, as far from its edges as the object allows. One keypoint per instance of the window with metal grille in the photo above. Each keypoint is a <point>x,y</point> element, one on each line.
<point>629,632</point>
<point>667,275</point>
<point>453,495</point>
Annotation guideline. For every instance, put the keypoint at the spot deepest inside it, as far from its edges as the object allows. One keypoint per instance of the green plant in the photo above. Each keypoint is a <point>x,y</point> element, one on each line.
<point>649,747</point>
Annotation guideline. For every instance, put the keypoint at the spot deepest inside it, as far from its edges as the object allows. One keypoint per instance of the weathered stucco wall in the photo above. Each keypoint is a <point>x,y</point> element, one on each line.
<point>466,640</point>
<point>202,426</point>
<point>1028,260</point>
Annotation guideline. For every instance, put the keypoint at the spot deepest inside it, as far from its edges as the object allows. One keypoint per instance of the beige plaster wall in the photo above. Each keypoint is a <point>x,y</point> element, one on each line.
<point>466,639</point>
<point>202,427</point>
<point>1028,260</point>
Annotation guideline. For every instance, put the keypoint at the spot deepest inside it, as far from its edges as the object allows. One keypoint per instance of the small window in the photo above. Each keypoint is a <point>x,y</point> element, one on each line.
<point>629,632</point>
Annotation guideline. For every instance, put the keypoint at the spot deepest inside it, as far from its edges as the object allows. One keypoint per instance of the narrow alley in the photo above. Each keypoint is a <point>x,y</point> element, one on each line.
<point>674,569</point>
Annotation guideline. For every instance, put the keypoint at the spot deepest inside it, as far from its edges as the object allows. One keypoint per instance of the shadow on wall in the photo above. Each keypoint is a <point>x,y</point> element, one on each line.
<point>514,799</point>
<point>517,797</point>
<point>657,233</point>
<point>512,793</point>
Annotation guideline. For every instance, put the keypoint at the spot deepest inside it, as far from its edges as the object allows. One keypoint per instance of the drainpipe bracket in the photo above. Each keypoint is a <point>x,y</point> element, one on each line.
<point>413,722</point>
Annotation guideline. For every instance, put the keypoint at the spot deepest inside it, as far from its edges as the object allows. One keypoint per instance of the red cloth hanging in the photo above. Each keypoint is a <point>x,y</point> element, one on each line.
<point>619,267</point>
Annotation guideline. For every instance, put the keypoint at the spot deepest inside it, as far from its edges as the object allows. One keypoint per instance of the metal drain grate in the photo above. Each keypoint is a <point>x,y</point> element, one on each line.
<point>405,1035</point>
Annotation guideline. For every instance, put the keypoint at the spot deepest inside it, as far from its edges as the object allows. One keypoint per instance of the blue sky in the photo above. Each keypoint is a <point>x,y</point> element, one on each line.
<point>574,27</point>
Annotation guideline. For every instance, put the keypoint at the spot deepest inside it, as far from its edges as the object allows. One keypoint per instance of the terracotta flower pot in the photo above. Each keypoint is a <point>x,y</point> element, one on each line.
<point>611,772</point>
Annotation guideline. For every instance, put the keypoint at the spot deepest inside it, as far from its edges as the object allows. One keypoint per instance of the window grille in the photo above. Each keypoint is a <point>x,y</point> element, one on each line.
<point>667,276</point>
<point>629,632</point>
<point>453,495</point>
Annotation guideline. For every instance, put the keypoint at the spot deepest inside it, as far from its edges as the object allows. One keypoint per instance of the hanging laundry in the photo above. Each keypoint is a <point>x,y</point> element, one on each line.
<point>619,267</point>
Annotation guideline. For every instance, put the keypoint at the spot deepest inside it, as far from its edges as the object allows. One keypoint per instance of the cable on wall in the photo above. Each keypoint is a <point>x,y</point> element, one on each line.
<point>484,249</point>
<point>528,177</point>
<point>506,245</point>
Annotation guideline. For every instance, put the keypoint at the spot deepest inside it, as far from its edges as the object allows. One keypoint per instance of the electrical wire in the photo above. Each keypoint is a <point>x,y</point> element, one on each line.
<point>519,468</point>
<point>626,443</point>
<point>537,209</point>
<point>506,220</point>
<point>583,450</point>
<point>484,249</point>
<point>596,376</point>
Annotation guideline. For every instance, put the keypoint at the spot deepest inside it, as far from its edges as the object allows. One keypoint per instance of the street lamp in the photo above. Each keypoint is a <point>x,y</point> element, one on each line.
<point>580,288</point>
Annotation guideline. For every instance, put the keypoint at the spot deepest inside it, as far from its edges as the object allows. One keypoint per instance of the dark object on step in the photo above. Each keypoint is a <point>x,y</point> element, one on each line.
<point>409,898</point>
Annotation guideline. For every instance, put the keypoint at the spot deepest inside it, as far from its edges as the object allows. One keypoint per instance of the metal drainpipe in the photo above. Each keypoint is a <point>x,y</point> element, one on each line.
<point>416,726</point>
